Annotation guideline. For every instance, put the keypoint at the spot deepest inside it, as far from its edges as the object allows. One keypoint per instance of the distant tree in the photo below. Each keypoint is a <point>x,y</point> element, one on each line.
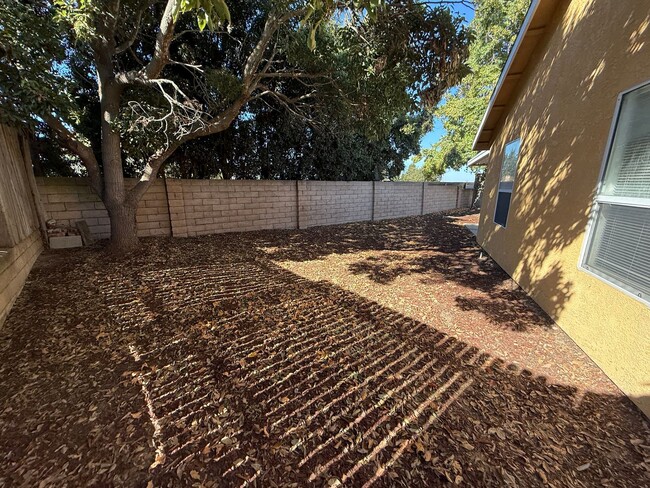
<point>412,173</point>
<point>124,83</point>
<point>494,28</point>
<point>275,144</point>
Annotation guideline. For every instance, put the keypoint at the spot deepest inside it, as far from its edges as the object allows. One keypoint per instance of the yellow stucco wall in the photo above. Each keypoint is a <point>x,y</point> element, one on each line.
<point>562,112</point>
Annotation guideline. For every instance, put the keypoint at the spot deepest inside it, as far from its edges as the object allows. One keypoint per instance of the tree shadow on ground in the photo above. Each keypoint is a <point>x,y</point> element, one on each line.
<point>199,362</point>
<point>561,108</point>
<point>435,249</point>
<point>420,233</point>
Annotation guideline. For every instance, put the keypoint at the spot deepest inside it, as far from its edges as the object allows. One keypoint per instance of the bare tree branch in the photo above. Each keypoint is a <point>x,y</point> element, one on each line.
<point>292,105</point>
<point>216,124</point>
<point>200,127</point>
<point>183,114</point>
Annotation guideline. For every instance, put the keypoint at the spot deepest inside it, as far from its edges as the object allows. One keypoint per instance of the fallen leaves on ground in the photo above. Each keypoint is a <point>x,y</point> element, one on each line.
<point>210,362</point>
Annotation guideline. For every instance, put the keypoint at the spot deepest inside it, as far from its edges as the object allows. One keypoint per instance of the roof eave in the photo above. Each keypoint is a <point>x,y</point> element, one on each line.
<point>528,38</point>
<point>479,160</point>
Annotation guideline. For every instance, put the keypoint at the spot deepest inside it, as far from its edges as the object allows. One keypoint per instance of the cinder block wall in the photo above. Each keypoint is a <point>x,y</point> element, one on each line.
<point>197,207</point>
<point>152,216</point>
<point>202,207</point>
<point>71,199</point>
<point>397,199</point>
<point>439,197</point>
<point>334,202</point>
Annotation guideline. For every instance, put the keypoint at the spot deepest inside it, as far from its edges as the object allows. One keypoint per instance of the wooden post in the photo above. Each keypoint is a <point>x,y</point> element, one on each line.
<point>169,209</point>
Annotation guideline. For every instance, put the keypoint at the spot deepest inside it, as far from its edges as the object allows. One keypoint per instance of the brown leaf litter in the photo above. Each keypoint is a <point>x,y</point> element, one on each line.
<point>371,354</point>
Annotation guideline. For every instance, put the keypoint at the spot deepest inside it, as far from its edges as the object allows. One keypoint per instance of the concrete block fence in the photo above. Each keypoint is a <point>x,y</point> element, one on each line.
<point>183,208</point>
<point>70,199</point>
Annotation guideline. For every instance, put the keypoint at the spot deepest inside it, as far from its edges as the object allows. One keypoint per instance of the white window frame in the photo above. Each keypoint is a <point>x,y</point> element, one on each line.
<point>514,181</point>
<point>623,201</point>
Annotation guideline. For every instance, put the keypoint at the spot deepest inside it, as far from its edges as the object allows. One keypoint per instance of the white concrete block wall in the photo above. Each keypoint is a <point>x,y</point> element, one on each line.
<point>199,207</point>
<point>439,197</point>
<point>152,217</point>
<point>465,198</point>
<point>68,200</point>
<point>397,199</point>
<point>214,206</point>
<point>334,202</point>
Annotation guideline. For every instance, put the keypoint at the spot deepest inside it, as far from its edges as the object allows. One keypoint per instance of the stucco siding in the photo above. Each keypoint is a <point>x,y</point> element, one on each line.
<point>562,112</point>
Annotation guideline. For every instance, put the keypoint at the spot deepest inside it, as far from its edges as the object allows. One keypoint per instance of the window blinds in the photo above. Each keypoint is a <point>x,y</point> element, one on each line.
<point>633,178</point>
<point>619,247</point>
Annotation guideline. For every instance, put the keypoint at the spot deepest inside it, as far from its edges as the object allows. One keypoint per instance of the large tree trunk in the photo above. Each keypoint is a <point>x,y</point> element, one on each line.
<point>121,212</point>
<point>124,236</point>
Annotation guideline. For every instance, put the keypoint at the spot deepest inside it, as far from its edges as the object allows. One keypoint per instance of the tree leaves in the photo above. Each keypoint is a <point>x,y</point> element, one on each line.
<point>494,28</point>
<point>209,13</point>
<point>32,50</point>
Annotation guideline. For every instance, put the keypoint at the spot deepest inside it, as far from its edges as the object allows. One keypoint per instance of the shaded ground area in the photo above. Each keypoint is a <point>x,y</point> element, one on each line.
<point>432,270</point>
<point>374,354</point>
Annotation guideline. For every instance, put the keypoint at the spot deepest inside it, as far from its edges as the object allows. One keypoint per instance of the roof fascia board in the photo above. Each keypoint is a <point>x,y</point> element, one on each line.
<point>477,159</point>
<point>504,72</point>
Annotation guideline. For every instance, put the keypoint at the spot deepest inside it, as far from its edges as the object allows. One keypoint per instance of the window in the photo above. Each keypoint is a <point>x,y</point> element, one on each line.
<point>617,248</point>
<point>507,181</point>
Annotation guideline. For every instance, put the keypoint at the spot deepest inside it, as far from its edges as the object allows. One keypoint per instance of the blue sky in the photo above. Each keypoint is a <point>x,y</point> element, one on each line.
<point>434,135</point>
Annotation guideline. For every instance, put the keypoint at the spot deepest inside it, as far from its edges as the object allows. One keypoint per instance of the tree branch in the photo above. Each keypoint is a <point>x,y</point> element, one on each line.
<point>292,74</point>
<point>290,104</point>
<point>126,44</point>
<point>85,153</point>
<point>163,41</point>
<point>160,57</point>
<point>215,124</point>
<point>273,23</point>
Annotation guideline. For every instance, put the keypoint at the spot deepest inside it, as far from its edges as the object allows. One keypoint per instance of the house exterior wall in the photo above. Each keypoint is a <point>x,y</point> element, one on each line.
<point>562,112</point>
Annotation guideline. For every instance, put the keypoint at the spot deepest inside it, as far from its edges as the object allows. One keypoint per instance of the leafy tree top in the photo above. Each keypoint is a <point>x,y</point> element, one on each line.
<point>494,29</point>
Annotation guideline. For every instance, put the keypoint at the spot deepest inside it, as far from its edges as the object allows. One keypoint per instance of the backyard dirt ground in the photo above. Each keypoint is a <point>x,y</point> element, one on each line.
<point>370,354</point>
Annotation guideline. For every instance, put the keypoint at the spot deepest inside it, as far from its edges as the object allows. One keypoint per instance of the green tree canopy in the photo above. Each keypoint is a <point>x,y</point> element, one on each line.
<point>123,84</point>
<point>413,173</point>
<point>494,28</point>
<point>275,144</point>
